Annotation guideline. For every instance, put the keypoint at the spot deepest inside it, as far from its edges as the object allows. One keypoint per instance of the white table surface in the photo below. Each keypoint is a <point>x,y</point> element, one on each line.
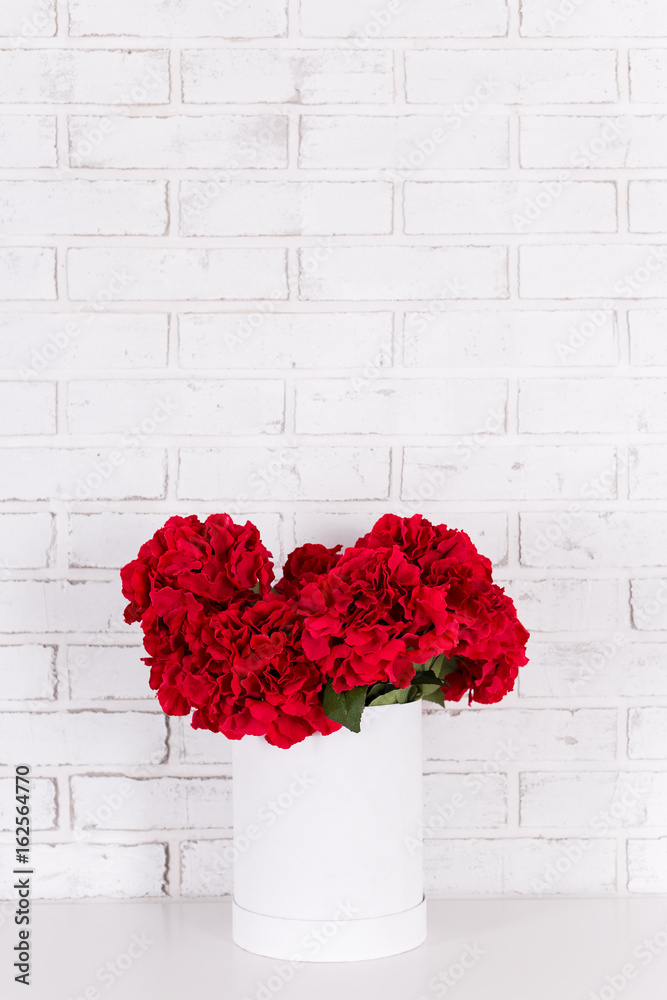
<point>526,950</point>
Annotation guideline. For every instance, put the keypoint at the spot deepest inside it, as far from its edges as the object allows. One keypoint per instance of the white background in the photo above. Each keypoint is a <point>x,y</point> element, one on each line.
<point>309,266</point>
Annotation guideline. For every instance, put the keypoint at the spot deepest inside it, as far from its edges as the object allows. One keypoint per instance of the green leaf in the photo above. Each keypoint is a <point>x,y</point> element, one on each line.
<point>426,677</point>
<point>442,665</point>
<point>390,698</point>
<point>426,689</point>
<point>345,707</point>
<point>422,666</point>
<point>437,696</point>
<point>376,690</point>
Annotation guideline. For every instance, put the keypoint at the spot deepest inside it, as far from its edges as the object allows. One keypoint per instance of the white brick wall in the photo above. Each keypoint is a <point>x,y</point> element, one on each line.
<point>307,263</point>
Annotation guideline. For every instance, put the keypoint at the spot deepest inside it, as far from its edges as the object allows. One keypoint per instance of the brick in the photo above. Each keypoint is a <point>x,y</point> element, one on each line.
<point>648,75</point>
<point>418,19</point>
<point>608,667</point>
<point>199,746</point>
<point>648,601</point>
<point>27,19</point>
<point>407,142</point>
<point>304,473</point>
<point>648,211</point>
<point>510,207</point>
<point>541,18</point>
<point>80,76</point>
<point>28,141</point>
<point>36,342</point>
<point>515,735</point>
<point>513,76</point>
<point>27,672</point>
<point>87,738</point>
<point>596,538</point>
<point>82,473</point>
<point>648,336</point>
<point>178,18</point>
<point>468,339</point>
<point>648,472</point>
<point>286,208</point>
<point>647,733</point>
<point>179,141</point>
<point>207,867</point>
<point>25,540</point>
<point>647,866</point>
<point>85,208</point>
<point>477,468</point>
<point>59,606</point>
<point>121,803</point>
<point>593,271</point>
<point>403,273</point>
<point>110,539</point>
<point>390,406</point>
<point>603,405</point>
<point>593,142</point>
<point>285,340</point>
<point>42,804</point>
<point>100,673</point>
<point>488,530</point>
<point>298,76</point>
<point>27,408</point>
<point>148,273</point>
<point>604,800</point>
<point>176,407</point>
<point>476,799</point>
<point>27,273</point>
<point>81,871</point>
<point>566,605</point>
<point>520,866</point>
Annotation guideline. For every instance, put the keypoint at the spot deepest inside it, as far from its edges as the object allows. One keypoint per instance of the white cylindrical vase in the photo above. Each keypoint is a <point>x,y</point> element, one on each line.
<point>328,860</point>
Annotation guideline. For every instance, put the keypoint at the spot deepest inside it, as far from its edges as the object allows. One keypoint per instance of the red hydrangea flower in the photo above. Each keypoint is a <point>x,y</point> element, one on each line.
<point>304,565</point>
<point>491,643</point>
<point>247,659</point>
<point>218,561</point>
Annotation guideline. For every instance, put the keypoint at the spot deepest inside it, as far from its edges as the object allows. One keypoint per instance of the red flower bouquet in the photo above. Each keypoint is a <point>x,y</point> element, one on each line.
<point>410,611</point>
